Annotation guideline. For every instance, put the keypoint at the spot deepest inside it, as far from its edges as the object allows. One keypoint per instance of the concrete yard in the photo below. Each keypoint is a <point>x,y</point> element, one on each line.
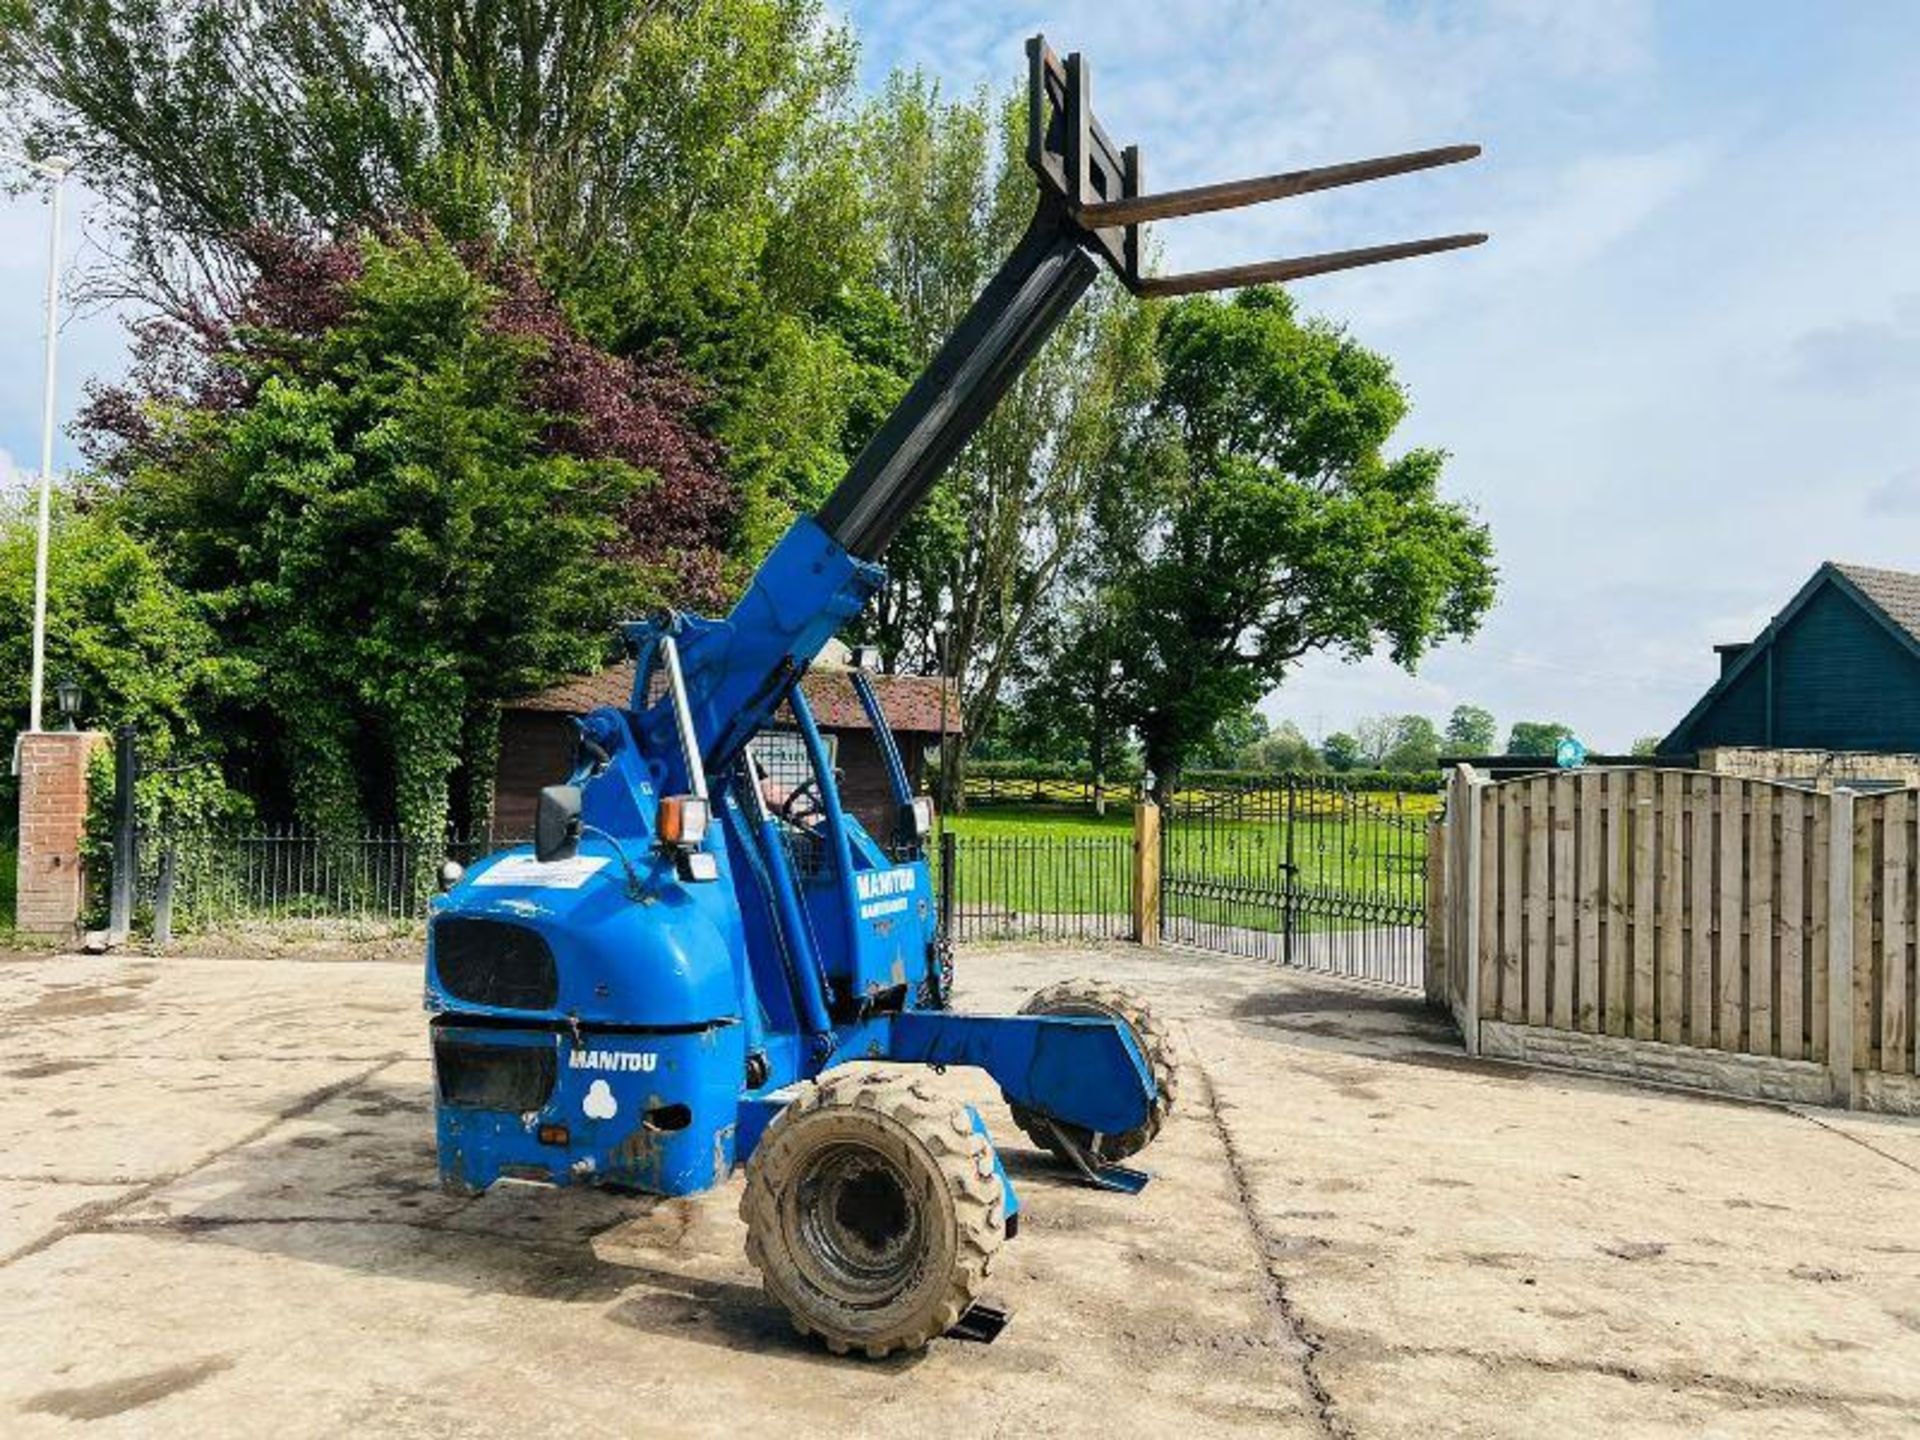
<point>218,1216</point>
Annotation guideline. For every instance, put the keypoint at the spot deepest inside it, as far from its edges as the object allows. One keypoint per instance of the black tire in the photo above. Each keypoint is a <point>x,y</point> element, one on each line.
<point>873,1212</point>
<point>1096,997</point>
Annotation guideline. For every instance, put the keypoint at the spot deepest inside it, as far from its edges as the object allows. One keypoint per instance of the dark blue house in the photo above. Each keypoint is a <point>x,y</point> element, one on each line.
<point>1838,669</point>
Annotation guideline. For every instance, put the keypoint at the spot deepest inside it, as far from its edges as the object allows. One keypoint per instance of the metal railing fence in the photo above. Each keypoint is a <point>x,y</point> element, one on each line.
<point>1048,887</point>
<point>1314,872</point>
<point>194,878</point>
<point>187,879</point>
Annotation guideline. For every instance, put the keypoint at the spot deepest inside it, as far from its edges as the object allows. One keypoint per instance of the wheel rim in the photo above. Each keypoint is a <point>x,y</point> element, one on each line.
<point>861,1240</point>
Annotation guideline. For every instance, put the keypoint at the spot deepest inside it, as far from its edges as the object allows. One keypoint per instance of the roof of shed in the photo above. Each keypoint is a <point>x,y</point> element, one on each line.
<point>1891,596</point>
<point>1895,592</point>
<point>911,703</point>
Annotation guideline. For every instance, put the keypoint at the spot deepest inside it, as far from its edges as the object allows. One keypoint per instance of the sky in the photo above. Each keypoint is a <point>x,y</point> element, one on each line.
<point>1684,371</point>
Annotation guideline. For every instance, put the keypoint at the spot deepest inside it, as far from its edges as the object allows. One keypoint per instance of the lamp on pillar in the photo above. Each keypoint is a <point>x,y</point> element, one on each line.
<point>67,694</point>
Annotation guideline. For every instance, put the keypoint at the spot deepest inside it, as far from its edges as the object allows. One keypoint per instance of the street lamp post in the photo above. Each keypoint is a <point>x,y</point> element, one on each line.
<point>55,170</point>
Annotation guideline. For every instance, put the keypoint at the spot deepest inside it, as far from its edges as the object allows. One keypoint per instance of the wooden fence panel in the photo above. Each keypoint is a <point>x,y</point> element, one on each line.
<point>1487,931</point>
<point>1792,974</point>
<point>1701,864</point>
<point>1691,909</point>
<point>1819,939</point>
<point>1672,917</point>
<point>1640,801</point>
<point>1896,860</point>
<point>1534,950</point>
<point>1614,964</point>
<point>1866,979</point>
<point>1560,793</point>
<point>1758,922</point>
<point>1587,982</point>
<point>1513,902</point>
<point>1730,894</point>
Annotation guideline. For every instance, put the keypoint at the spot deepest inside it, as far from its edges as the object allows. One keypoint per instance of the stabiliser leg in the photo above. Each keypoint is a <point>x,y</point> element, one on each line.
<point>1123,1179</point>
<point>1076,1073</point>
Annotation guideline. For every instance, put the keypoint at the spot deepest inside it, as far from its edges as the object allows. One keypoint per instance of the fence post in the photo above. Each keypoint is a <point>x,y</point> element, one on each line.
<point>1840,946</point>
<point>949,864</point>
<point>1289,877</point>
<point>1439,911</point>
<point>120,901</point>
<point>1470,899</point>
<point>163,899</point>
<point>1146,873</point>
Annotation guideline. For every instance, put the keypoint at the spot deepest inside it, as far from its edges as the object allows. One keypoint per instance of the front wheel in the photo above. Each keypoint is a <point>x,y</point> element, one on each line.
<point>1097,999</point>
<point>873,1212</point>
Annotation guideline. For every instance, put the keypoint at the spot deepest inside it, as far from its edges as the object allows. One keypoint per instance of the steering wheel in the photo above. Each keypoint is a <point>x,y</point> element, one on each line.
<point>790,808</point>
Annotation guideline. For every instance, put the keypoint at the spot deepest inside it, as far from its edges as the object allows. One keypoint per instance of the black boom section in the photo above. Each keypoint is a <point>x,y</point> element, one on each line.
<point>1022,305</point>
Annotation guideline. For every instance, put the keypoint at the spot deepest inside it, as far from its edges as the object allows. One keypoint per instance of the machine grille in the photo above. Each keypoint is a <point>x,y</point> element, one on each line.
<point>491,962</point>
<point>493,1077</point>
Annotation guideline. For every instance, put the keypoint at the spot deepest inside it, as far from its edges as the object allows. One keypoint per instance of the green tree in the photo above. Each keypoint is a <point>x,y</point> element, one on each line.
<point>139,647</point>
<point>1416,745</point>
<point>1375,735</point>
<point>662,145</point>
<point>1342,751</point>
<point>385,540</point>
<point>1646,745</point>
<point>1536,737</point>
<point>1275,525</point>
<point>683,175</point>
<point>1235,740</point>
<point>1285,749</point>
<point>1471,730</point>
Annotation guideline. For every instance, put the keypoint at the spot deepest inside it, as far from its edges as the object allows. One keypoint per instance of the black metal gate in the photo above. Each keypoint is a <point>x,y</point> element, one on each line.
<point>1308,871</point>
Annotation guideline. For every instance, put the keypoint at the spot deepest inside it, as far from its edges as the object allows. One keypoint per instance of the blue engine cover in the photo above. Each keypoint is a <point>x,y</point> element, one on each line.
<point>566,941</point>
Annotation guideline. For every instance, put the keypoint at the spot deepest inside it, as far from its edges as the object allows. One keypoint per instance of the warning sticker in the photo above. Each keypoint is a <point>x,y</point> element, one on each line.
<point>525,870</point>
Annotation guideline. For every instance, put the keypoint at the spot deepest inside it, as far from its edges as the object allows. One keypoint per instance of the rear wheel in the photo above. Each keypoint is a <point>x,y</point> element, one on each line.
<point>1096,998</point>
<point>873,1212</point>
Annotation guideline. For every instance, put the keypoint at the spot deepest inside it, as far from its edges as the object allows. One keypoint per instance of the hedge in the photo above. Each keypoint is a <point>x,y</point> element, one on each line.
<point>1126,776</point>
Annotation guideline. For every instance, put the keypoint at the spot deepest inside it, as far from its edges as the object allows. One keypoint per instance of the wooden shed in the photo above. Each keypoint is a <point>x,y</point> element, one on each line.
<point>1837,670</point>
<point>537,734</point>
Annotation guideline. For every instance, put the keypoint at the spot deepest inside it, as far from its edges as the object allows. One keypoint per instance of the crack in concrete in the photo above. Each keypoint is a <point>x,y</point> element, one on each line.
<point>89,1216</point>
<point>1864,1144</point>
<point>68,1180</point>
<point>1729,1385</point>
<point>1279,1298</point>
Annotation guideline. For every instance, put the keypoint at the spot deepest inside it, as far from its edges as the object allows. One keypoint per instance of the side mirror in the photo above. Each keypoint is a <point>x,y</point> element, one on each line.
<point>556,826</point>
<point>920,816</point>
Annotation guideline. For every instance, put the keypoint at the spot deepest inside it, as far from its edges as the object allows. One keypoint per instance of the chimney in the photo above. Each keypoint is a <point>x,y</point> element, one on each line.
<point>1730,653</point>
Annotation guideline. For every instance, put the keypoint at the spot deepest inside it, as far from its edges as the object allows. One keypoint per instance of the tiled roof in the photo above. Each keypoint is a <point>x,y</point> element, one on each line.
<point>1895,591</point>
<point>911,703</point>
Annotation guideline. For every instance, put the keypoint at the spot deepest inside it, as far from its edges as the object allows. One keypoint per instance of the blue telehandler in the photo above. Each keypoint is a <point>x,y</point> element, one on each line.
<point>673,980</point>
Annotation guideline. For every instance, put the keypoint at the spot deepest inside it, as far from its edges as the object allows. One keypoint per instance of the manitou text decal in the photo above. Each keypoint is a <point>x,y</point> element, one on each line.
<point>884,892</point>
<point>616,1060</point>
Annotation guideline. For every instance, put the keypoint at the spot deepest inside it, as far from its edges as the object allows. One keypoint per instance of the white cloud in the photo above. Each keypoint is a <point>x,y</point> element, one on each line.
<point>1598,201</point>
<point>15,482</point>
<point>1897,495</point>
<point>1879,351</point>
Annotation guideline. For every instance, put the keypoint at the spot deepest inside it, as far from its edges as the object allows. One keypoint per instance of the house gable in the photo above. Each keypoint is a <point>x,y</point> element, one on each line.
<point>1834,671</point>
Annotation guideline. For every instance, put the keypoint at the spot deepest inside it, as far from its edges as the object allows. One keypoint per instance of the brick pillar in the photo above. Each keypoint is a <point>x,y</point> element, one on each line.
<point>53,815</point>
